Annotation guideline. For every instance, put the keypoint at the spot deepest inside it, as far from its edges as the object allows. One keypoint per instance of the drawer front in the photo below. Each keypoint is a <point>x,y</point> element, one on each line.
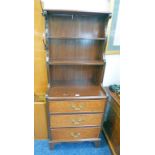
<point>75,133</point>
<point>77,106</point>
<point>75,120</point>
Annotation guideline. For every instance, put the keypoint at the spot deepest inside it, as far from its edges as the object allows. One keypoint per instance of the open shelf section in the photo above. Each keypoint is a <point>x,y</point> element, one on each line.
<point>76,74</point>
<point>76,62</point>
<point>76,49</point>
<point>71,92</point>
<point>80,38</point>
<point>77,26</point>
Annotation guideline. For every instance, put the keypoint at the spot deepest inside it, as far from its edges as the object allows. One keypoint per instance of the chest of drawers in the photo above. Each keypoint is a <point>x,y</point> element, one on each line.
<point>75,45</point>
<point>75,119</point>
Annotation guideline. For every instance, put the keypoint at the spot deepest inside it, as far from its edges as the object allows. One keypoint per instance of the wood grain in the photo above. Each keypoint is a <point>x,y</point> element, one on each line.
<point>76,49</point>
<point>62,25</point>
<point>74,106</point>
<point>75,91</point>
<point>39,23</point>
<point>38,44</point>
<point>37,6</point>
<point>40,73</point>
<point>75,74</point>
<point>75,120</point>
<point>40,123</point>
<point>76,62</point>
<point>75,133</point>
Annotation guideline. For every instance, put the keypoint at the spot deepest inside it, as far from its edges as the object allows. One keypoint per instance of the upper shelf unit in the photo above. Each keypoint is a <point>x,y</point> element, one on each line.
<point>69,25</point>
<point>75,43</point>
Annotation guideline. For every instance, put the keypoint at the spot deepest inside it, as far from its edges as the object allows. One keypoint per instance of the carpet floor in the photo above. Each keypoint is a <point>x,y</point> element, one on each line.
<point>41,147</point>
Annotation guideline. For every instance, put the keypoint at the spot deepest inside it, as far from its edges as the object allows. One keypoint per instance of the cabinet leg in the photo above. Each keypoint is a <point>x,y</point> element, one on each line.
<point>97,143</point>
<point>51,146</point>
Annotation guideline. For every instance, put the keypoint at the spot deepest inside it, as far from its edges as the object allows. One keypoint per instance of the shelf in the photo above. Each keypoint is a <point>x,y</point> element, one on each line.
<point>84,38</point>
<point>76,62</point>
<point>75,92</point>
<point>80,12</point>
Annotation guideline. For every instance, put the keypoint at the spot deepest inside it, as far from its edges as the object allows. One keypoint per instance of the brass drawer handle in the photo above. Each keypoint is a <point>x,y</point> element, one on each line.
<point>75,135</point>
<point>76,107</point>
<point>77,121</point>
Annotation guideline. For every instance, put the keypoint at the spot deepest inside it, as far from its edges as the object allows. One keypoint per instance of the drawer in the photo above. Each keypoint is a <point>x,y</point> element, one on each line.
<point>77,106</point>
<point>75,120</point>
<point>75,133</point>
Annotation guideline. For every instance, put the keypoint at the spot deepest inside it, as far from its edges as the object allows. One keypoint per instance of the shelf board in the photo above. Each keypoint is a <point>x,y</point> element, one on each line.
<point>76,62</point>
<point>98,11</point>
<point>70,92</point>
<point>84,38</point>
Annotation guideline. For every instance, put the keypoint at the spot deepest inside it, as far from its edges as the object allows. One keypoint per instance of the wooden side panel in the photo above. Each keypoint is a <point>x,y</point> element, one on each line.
<point>37,5</point>
<point>40,73</point>
<point>40,123</point>
<point>39,22</point>
<point>111,126</point>
<point>38,43</point>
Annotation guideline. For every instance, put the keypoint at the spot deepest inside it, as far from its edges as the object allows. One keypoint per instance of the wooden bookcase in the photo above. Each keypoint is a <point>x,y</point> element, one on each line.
<point>75,45</point>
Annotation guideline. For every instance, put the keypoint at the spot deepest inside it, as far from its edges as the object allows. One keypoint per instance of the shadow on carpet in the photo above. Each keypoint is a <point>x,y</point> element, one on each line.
<point>41,147</point>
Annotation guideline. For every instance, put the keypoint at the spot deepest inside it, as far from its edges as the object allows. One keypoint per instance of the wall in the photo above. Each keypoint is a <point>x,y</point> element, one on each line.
<point>93,5</point>
<point>112,71</point>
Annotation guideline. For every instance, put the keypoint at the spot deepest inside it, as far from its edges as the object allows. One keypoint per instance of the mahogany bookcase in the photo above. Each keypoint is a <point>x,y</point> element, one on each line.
<point>75,45</point>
